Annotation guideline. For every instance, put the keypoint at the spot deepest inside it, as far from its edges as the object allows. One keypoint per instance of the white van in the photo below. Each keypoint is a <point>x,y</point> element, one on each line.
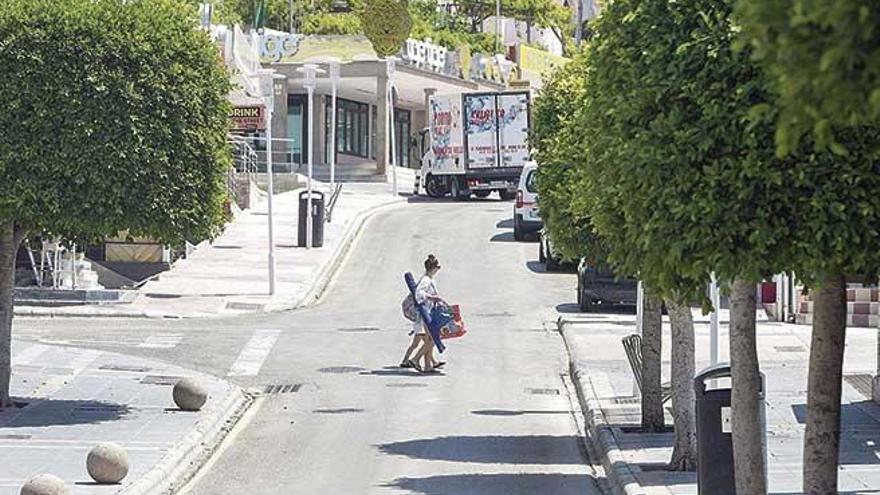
<point>526,219</point>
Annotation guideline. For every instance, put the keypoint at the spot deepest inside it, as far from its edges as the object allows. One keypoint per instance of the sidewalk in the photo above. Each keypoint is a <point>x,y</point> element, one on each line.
<point>634,461</point>
<point>230,275</point>
<point>77,398</point>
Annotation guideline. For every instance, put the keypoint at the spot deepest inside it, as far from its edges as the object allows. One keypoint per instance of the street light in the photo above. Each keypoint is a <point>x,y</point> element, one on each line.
<point>333,69</point>
<point>714,341</point>
<point>390,68</point>
<point>265,79</point>
<point>309,72</point>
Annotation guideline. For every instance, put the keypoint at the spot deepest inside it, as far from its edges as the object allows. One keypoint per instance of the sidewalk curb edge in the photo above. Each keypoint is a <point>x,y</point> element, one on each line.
<point>620,476</point>
<point>187,456</point>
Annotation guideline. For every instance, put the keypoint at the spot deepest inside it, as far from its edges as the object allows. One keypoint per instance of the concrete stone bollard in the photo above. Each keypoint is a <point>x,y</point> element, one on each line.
<point>45,484</point>
<point>107,463</point>
<point>189,395</point>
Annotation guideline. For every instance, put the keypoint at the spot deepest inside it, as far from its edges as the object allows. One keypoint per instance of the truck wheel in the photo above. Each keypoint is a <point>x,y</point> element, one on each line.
<point>433,187</point>
<point>482,194</point>
<point>506,195</point>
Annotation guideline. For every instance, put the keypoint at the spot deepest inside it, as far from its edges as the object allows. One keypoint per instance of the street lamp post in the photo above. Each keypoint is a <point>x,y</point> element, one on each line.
<point>714,341</point>
<point>266,85</point>
<point>334,80</point>
<point>309,72</point>
<point>390,61</point>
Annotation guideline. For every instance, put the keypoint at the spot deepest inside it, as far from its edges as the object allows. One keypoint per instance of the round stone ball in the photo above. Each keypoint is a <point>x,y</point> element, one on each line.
<point>44,484</point>
<point>107,463</point>
<point>189,395</point>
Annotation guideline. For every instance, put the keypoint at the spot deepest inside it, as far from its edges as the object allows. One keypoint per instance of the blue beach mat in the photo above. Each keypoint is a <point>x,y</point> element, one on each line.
<point>434,319</point>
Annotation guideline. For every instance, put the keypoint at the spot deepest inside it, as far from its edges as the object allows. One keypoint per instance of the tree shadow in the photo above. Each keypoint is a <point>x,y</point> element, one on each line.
<point>514,412</point>
<point>527,449</point>
<point>498,484</point>
<point>54,412</point>
<point>859,431</point>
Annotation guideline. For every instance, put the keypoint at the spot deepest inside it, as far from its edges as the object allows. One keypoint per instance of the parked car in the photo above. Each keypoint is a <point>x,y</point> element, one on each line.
<point>526,219</point>
<point>547,255</point>
<point>599,286</point>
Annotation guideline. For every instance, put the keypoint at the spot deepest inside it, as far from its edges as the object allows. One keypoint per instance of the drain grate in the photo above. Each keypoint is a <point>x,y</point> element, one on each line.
<point>97,409</point>
<point>543,391</point>
<point>244,306</point>
<point>860,382</point>
<point>505,314</point>
<point>626,400</point>
<point>341,410</point>
<point>161,380</point>
<point>358,329</point>
<point>122,367</point>
<point>284,388</point>
<point>789,348</point>
<point>342,369</point>
<point>406,385</point>
<point>15,437</point>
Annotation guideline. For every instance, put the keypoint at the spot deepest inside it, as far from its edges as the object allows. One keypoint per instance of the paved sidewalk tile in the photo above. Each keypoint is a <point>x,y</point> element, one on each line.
<point>77,398</point>
<point>595,340</point>
<point>230,275</point>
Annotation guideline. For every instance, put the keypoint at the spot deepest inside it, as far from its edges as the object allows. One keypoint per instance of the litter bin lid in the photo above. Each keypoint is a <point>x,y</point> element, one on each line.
<point>720,370</point>
<point>315,193</point>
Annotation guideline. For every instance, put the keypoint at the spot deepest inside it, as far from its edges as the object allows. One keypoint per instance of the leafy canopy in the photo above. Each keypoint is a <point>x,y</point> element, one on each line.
<point>824,57</point>
<point>116,119</point>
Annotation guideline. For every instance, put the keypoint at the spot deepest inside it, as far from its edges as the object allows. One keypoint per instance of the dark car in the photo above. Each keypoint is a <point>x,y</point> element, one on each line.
<point>599,286</point>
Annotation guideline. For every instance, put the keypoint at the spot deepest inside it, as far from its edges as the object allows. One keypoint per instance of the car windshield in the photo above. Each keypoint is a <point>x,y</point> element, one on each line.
<point>530,182</point>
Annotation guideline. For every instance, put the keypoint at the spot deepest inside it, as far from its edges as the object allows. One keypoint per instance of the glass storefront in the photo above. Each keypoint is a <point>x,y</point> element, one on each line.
<point>297,128</point>
<point>351,127</point>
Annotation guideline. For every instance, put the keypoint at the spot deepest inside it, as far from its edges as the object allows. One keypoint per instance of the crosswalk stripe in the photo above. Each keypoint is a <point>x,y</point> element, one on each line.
<point>251,358</point>
<point>162,341</point>
<point>28,355</point>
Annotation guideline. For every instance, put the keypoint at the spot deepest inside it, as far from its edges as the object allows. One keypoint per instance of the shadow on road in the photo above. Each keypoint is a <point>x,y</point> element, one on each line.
<point>527,449</point>
<point>503,237</point>
<point>538,267</point>
<point>398,372</point>
<point>505,224</point>
<point>52,412</point>
<point>499,484</point>
<point>513,412</point>
<point>609,309</point>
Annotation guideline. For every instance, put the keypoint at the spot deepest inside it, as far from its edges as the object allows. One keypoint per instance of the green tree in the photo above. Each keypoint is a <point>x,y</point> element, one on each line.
<point>116,119</point>
<point>825,60</point>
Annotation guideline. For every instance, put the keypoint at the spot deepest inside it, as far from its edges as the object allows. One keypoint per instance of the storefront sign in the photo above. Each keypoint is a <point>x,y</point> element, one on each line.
<point>277,45</point>
<point>425,54</point>
<point>249,118</point>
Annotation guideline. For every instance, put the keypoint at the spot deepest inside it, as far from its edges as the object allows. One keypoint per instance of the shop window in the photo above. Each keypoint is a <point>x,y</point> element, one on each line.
<point>351,127</point>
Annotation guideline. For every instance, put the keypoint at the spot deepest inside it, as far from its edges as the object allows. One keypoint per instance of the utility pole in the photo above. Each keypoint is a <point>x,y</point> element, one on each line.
<point>498,41</point>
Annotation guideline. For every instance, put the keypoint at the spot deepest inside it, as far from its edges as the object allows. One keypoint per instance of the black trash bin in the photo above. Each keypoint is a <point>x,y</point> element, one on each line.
<point>715,474</point>
<point>317,218</point>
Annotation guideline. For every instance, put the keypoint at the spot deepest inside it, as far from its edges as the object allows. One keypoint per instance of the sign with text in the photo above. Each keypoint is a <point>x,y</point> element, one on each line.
<point>249,118</point>
<point>481,129</point>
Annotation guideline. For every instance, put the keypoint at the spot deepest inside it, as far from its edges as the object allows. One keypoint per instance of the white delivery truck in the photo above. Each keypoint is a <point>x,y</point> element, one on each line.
<point>475,143</point>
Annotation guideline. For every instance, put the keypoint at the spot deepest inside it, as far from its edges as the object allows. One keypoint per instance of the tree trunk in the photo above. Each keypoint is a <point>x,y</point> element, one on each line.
<point>684,451</point>
<point>10,238</point>
<point>748,439</point>
<point>652,343</point>
<point>822,435</point>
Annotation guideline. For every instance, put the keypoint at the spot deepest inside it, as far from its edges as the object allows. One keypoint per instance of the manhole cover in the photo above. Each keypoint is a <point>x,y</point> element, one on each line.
<point>286,388</point>
<point>341,410</point>
<point>160,380</point>
<point>789,348</point>
<point>505,314</point>
<point>122,367</point>
<point>543,391</point>
<point>406,385</point>
<point>860,382</point>
<point>154,295</point>
<point>342,369</point>
<point>358,329</point>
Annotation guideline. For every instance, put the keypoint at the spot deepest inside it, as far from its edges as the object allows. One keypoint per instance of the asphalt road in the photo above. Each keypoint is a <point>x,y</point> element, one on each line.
<point>501,419</point>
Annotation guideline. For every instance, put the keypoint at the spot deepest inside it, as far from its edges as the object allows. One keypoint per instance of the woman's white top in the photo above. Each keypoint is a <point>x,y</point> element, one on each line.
<point>426,286</point>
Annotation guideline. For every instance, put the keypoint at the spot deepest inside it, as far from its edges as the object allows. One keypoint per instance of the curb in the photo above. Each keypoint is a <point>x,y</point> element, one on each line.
<point>617,470</point>
<point>183,461</point>
<point>328,272</point>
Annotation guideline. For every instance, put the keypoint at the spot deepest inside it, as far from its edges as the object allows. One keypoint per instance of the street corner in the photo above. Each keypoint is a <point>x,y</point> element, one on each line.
<point>71,400</point>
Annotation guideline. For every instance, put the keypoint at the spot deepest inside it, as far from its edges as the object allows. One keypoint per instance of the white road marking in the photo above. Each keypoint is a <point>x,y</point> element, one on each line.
<point>28,355</point>
<point>162,341</point>
<point>254,353</point>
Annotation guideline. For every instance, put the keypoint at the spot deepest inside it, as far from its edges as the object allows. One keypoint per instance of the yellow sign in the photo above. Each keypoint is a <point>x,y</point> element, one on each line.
<point>538,62</point>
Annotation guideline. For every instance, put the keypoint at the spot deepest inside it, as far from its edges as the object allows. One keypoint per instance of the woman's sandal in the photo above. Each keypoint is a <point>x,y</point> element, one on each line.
<point>406,364</point>
<point>415,365</point>
<point>440,364</point>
